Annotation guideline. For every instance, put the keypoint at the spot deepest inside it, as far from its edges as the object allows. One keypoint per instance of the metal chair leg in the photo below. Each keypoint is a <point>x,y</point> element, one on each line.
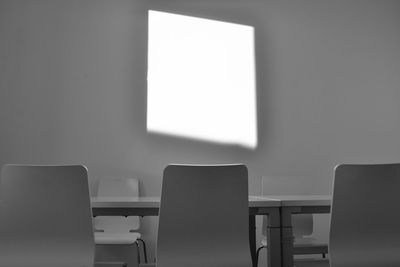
<point>258,253</point>
<point>138,252</point>
<point>144,249</point>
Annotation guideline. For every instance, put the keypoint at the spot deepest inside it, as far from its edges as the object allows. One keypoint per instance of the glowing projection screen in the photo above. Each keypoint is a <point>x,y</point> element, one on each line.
<point>201,79</point>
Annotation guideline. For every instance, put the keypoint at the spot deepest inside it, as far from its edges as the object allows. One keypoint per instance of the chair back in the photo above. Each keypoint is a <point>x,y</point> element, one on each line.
<point>303,224</point>
<point>204,217</point>
<point>117,187</point>
<point>45,217</point>
<point>365,218</point>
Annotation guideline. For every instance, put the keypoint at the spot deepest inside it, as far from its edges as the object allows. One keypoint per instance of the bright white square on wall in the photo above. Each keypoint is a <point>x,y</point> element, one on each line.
<point>201,79</point>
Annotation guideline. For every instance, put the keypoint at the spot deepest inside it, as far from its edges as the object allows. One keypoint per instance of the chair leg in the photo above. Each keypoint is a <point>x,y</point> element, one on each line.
<point>144,249</point>
<point>258,253</point>
<point>138,252</point>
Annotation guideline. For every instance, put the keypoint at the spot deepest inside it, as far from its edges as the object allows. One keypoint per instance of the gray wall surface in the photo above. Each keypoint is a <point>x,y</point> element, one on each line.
<point>73,88</point>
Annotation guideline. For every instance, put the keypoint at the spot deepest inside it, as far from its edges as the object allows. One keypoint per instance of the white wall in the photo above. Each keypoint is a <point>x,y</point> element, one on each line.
<point>73,87</point>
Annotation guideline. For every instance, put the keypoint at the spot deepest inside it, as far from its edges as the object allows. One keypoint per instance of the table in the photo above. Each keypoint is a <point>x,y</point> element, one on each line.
<point>149,206</point>
<point>295,204</point>
<point>278,208</point>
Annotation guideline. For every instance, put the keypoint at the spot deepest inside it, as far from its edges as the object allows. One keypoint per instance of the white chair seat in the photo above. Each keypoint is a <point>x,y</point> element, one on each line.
<point>101,238</point>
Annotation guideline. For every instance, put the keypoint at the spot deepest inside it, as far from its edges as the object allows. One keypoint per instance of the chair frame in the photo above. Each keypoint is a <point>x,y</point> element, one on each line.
<point>367,193</point>
<point>211,233</point>
<point>111,187</point>
<point>28,235</point>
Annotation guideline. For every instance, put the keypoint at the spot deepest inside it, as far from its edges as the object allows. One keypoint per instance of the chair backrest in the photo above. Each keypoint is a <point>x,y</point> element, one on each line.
<point>365,220</point>
<point>117,187</point>
<point>204,217</point>
<point>303,224</point>
<point>45,217</point>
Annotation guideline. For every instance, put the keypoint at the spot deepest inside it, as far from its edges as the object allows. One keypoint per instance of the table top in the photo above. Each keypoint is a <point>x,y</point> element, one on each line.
<point>125,202</point>
<point>303,200</point>
<point>154,202</point>
<point>254,201</point>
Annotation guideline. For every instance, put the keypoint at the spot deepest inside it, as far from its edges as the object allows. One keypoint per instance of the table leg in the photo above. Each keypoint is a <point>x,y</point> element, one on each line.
<point>287,238</point>
<point>274,255</point>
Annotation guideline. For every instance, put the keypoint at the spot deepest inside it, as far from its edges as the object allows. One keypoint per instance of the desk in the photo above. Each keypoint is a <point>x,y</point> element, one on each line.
<point>296,204</point>
<point>149,206</point>
<point>278,208</point>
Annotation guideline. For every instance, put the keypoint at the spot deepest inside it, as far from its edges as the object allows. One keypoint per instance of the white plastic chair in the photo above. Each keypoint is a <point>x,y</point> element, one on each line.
<point>365,219</point>
<point>204,217</point>
<point>46,217</point>
<point>119,230</point>
<point>303,224</point>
